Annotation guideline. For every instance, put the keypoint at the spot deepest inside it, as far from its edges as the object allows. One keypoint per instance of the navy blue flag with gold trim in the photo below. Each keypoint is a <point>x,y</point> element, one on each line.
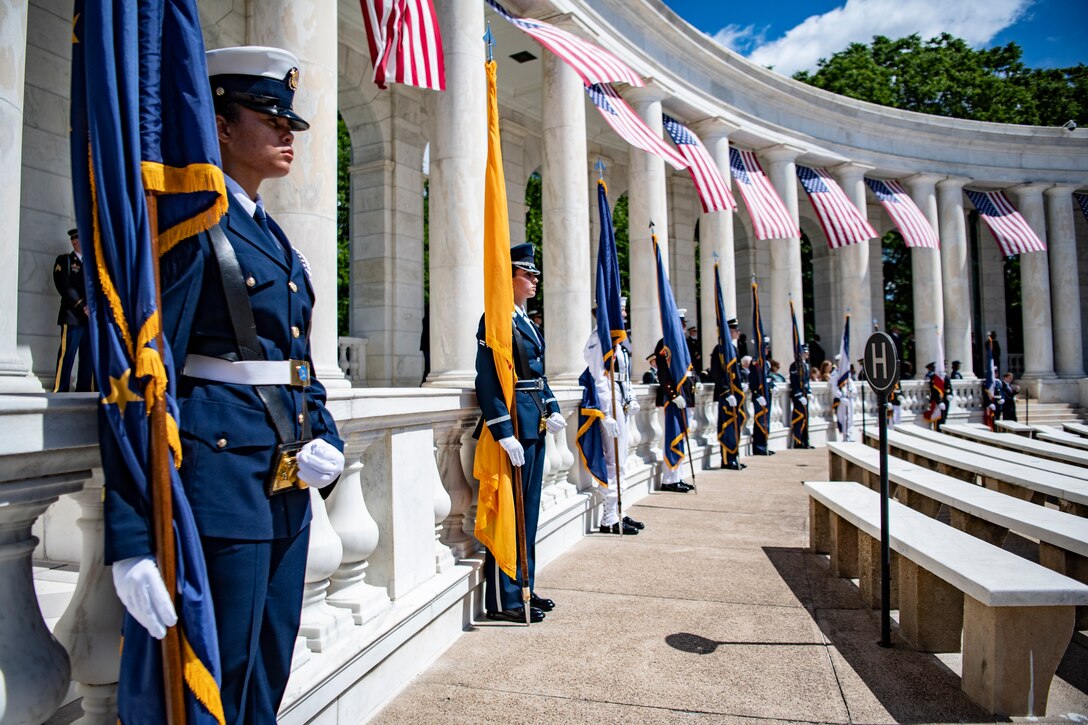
<point>610,327</point>
<point>757,375</point>
<point>676,347</point>
<point>590,434</point>
<point>729,422</point>
<point>142,122</point>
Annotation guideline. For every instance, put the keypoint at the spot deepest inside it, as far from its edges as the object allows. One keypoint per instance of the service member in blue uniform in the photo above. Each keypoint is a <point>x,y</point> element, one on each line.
<point>72,318</point>
<point>800,392</point>
<point>726,381</point>
<point>683,396</point>
<point>537,413</point>
<point>237,404</point>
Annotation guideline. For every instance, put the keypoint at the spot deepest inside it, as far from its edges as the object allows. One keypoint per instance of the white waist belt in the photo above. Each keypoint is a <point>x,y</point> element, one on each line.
<point>248,372</point>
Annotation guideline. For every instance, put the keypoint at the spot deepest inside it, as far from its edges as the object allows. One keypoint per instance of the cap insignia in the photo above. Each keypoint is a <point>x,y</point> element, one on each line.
<point>292,79</point>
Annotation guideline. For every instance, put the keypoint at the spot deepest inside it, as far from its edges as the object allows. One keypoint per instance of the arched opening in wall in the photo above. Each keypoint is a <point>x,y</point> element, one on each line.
<point>1014,320</point>
<point>534,234</point>
<point>807,321</point>
<point>623,244</point>
<point>898,294</point>
<point>343,228</point>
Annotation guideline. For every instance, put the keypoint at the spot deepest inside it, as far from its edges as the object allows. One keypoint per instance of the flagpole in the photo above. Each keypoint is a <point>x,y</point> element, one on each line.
<point>616,443</point>
<point>162,503</point>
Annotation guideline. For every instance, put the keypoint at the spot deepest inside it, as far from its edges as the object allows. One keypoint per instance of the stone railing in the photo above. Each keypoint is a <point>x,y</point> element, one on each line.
<point>387,573</point>
<point>351,357</point>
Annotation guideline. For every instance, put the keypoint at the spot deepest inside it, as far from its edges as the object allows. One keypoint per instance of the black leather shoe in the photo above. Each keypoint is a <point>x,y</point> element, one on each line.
<point>631,522</point>
<point>810,447</point>
<point>516,615</point>
<point>615,529</point>
<point>764,453</point>
<point>675,487</point>
<point>733,466</point>
<point>542,603</point>
<point>686,485</point>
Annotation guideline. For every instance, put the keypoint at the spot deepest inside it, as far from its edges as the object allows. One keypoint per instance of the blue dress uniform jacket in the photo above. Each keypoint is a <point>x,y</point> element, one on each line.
<point>800,392</point>
<point>501,592</point>
<point>72,318</point>
<point>227,438</point>
<point>254,545</point>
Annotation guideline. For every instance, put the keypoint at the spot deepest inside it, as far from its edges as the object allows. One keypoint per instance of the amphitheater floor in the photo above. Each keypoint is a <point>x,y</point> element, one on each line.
<point>715,613</point>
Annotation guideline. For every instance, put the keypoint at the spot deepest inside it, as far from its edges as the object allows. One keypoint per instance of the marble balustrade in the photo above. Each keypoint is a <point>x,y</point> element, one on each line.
<point>393,573</point>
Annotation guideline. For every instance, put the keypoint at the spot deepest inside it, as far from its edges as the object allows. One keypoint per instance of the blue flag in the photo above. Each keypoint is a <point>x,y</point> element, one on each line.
<point>729,422</point>
<point>679,360</point>
<point>990,384</point>
<point>590,435</point>
<point>610,327</point>
<point>796,335</point>
<point>142,122</point>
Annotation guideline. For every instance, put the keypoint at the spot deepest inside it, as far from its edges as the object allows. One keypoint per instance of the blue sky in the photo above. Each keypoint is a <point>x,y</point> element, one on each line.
<point>792,34</point>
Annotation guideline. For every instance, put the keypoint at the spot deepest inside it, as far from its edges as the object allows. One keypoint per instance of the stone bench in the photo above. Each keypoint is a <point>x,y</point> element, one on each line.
<point>1079,428</point>
<point>1019,443</point>
<point>1024,482</point>
<point>1049,434</point>
<point>1012,426</point>
<point>1015,617</point>
<point>1023,459</point>
<point>981,512</point>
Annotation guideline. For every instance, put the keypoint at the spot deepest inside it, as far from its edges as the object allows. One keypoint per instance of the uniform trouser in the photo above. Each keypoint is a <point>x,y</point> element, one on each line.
<point>74,341</point>
<point>760,421</point>
<point>844,414</point>
<point>799,425</point>
<point>502,592</point>
<point>897,414</point>
<point>670,474</point>
<point>256,588</point>
<point>610,513</point>
<point>729,432</point>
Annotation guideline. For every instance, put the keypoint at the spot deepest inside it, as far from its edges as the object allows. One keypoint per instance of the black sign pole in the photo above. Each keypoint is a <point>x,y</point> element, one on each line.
<point>862,413</point>
<point>882,372</point>
<point>885,536</point>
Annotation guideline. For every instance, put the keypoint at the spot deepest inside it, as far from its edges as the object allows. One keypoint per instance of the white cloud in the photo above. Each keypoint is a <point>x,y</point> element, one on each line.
<point>821,36</point>
<point>741,39</point>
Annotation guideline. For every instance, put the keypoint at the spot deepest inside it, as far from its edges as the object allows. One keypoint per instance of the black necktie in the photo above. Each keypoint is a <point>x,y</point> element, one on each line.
<point>261,218</point>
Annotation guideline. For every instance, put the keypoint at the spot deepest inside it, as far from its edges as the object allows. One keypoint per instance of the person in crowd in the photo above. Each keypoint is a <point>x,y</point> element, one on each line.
<point>825,371</point>
<point>775,374</point>
<point>800,392</point>
<point>1009,389</point>
<point>727,383</point>
<point>682,393</point>
<point>255,433</point>
<point>75,343</point>
<point>650,376</point>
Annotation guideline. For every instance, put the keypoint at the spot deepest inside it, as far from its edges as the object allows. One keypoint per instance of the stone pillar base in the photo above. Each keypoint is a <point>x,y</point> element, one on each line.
<point>819,531</point>
<point>1053,390</point>
<point>844,548</point>
<point>1010,655</point>
<point>930,610</point>
<point>869,577</point>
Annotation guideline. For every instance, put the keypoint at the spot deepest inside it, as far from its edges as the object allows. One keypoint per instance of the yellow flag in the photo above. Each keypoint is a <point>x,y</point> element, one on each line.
<point>495,520</point>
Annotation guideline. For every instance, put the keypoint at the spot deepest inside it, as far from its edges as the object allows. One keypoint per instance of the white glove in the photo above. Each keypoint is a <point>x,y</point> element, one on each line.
<point>680,402</point>
<point>731,401</point>
<point>762,401</point>
<point>555,423</point>
<point>514,450</point>
<point>940,406</point>
<point>319,463</point>
<point>803,400</point>
<point>611,427</point>
<point>992,406</point>
<point>140,588</point>
<point>633,406</point>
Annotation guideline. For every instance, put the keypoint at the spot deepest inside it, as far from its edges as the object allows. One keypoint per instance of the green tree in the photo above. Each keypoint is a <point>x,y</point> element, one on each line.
<point>623,244</point>
<point>945,76</point>
<point>898,296</point>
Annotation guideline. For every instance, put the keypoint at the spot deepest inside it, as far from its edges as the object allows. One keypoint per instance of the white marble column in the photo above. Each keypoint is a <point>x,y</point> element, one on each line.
<point>716,235</point>
<point>15,376</point>
<point>854,258</point>
<point>648,200</point>
<point>458,158</point>
<point>304,202</point>
<point>955,274</point>
<point>1035,286</point>
<point>785,256</point>
<point>926,274</point>
<point>1064,281</point>
<point>566,221</point>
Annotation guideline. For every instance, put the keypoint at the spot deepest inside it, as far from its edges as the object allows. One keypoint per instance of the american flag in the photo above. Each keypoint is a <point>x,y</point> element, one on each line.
<point>405,43</point>
<point>1082,201</point>
<point>843,224</point>
<point>592,63</point>
<point>770,218</point>
<point>1013,233</point>
<point>712,187</point>
<point>912,223</point>
<point>629,126</point>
